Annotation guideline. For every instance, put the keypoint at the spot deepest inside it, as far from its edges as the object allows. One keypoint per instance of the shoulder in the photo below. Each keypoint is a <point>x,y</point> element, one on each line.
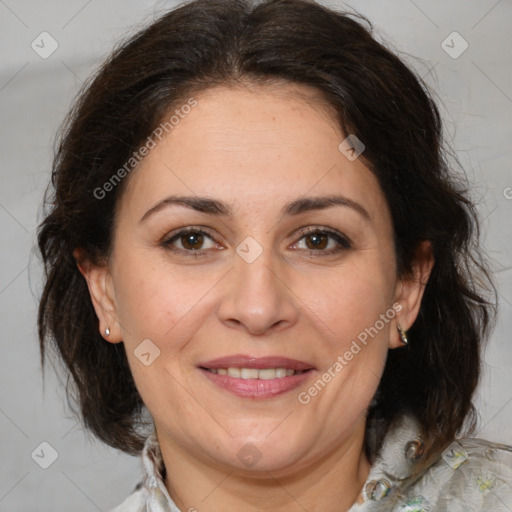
<point>473,475</point>
<point>134,503</point>
<point>470,475</point>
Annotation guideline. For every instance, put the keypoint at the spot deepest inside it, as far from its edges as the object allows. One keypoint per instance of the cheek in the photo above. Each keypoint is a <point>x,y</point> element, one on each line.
<point>159,301</point>
<point>351,298</point>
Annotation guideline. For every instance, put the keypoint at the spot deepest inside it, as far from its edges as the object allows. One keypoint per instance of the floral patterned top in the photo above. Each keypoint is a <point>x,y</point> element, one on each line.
<point>471,475</point>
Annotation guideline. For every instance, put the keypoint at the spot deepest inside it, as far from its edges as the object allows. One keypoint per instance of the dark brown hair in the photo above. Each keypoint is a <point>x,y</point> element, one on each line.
<point>373,94</point>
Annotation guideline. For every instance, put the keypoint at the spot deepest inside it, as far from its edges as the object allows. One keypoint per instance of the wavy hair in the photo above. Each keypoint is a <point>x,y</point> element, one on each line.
<point>374,96</point>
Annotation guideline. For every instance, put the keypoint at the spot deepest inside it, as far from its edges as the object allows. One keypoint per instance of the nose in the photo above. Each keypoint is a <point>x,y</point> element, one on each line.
<point>258,296</point>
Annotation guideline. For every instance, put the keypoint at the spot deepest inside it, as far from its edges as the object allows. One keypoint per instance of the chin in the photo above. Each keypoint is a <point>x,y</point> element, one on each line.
<point>250,456</point>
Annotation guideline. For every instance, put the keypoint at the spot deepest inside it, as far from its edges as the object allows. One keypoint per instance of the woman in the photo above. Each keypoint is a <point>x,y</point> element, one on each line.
<point>256,237</point>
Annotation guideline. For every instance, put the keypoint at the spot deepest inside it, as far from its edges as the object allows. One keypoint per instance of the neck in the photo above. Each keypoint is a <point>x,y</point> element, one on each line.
<point>330,483</point>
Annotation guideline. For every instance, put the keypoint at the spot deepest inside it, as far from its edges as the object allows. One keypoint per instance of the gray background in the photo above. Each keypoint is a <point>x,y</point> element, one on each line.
<point>475,91</point>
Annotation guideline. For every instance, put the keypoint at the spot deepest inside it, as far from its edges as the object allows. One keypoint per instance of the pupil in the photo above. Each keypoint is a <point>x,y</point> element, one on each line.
<point>191,240</point>
<point>318,241</point>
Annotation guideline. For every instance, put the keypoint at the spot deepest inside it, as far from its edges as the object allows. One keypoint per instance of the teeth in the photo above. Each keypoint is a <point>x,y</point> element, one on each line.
<point>256,373</point>
<point>249,373</point>
<point>234,372</point>
<point>267,373</point>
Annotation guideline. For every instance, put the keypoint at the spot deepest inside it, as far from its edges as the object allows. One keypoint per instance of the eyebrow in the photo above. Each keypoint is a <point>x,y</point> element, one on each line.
<point>215,207</point>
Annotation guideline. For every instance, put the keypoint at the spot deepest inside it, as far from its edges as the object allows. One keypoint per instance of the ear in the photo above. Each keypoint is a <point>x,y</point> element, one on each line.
<point>99,282</point>
<point>409,291</point>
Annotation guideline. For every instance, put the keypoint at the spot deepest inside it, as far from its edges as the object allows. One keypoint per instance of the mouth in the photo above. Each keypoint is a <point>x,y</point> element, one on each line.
<point>252,377</point>
<point>255,373</point>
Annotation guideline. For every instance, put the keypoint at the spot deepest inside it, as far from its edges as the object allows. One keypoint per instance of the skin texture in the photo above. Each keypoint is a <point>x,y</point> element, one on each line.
<point>255,148</point>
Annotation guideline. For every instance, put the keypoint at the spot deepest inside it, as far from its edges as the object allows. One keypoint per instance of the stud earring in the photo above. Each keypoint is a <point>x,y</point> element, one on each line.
<point>107,332</point>
<point>403,335</point>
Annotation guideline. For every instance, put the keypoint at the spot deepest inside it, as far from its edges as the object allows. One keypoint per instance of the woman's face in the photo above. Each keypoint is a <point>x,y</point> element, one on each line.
<point>273,278</point>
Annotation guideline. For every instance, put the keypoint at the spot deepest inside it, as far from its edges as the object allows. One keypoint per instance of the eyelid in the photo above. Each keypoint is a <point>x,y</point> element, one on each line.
<point>176,234</point>
<point>344,242</point>
<point>342,239</point>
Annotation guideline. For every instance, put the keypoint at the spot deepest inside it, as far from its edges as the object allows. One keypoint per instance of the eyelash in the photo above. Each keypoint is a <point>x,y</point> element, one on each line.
<point>342,240</point>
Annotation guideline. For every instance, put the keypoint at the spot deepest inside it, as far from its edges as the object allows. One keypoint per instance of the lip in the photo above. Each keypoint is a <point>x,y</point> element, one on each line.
<point>246,361</point>
<point>257,388</point>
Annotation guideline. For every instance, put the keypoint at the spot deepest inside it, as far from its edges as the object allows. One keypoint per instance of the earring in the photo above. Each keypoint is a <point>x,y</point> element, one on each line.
<point>107,332</point>
<point>403,335</point>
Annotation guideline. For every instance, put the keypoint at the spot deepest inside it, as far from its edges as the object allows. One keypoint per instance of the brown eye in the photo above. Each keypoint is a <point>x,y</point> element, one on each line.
<point>190,241</point>
<point>317,241</point>
<point>324,242</point>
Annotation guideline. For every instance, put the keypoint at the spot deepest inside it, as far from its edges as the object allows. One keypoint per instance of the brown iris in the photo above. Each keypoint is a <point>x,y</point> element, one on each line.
<point>191,240</point>
<point>320,241</point>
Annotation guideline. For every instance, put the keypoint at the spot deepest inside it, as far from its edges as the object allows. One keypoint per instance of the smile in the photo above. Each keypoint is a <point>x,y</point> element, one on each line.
<point>256,373</point>
<point>256,377</point>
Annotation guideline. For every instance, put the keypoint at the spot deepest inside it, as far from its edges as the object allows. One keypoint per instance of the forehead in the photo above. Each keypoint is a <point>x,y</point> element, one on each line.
<point>257,146</point>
